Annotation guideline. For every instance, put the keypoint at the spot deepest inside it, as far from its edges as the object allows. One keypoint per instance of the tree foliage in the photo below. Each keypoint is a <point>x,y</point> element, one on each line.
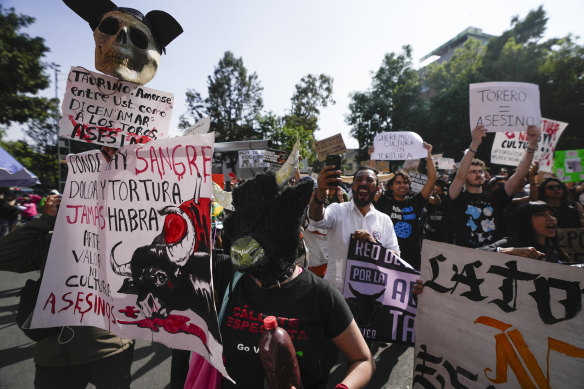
<point>518,54</point>
<point>21,70</point>
<point>233,103</point>
<point>393,103</point>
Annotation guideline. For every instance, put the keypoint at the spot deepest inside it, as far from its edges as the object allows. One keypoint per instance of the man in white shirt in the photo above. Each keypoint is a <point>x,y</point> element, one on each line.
<point>357,217</point>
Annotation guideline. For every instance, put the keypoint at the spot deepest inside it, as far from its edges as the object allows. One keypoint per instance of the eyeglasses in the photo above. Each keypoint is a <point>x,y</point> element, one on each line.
<point>554,187</point>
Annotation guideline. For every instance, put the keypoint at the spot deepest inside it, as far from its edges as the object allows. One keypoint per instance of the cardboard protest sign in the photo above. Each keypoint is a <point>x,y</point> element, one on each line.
<point>397,146</point>
<point>490,320</point>
<point>200,127</point>
<point>568,165</point>
<point>274,157</point>
<point>445,163</point>
<point>131,248</point>
<point>418,180</point>
<point>509,148</point>
<point>572,241</point>
<point>106,111</point>
<point>330,145</point>
<point>378,288</point>
<point>504,106</point>
<point>252,159</point>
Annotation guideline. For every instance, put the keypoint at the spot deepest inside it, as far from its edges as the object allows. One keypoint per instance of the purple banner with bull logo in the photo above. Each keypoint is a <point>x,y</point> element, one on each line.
<point>378,288</point>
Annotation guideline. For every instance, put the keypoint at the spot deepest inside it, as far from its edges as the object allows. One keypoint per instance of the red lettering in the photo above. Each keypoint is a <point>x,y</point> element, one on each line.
<point>65,299</point>
<point>67,217</point>
<point>51,300</point>
<point>138,171</point>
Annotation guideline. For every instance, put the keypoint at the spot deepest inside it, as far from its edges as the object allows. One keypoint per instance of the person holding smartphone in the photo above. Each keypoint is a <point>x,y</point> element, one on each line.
<point>357,217</point>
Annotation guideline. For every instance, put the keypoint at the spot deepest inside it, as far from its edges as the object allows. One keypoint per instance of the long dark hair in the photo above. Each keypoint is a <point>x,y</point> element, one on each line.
<point>523,234</point>
<point>541,191</point>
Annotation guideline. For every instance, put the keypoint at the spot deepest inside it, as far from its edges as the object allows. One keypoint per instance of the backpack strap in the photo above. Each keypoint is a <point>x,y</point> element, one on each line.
<point>236,277</point>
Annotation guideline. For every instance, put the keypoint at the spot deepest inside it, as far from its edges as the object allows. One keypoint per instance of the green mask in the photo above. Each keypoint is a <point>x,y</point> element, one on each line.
<point>246,252</point>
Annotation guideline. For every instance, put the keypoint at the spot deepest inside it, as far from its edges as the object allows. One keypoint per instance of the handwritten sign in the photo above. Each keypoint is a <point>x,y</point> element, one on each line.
<point>202,126</point>
<point>252,159</point>
<point>131,248</point>
<point>572,241</point>
<point>568,165</point>
<point>504,106</point>
<point>490,320</point>
<point>330,145</point>
<point>445,163</point>
<point>106,111</point>
<point>378,288</point>
<point>509,148</point>
<point>398,146</point>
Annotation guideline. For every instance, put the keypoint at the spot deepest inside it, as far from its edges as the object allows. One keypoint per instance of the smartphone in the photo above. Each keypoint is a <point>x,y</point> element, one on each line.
<point>334,160</point>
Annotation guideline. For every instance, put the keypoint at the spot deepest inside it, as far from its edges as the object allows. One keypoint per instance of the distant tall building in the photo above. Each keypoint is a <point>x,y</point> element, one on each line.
<point>446,51</point>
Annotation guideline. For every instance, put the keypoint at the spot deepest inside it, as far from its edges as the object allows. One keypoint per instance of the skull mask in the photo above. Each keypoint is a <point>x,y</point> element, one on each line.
<point>125,48</point>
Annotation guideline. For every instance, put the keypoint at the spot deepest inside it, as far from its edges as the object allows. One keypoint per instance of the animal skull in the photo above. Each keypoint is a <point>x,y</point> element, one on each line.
<point>125,48</point>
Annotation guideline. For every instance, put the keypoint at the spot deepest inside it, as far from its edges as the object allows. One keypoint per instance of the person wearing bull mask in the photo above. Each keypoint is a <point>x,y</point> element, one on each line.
<point>69,357</point>
<point>262,236</point>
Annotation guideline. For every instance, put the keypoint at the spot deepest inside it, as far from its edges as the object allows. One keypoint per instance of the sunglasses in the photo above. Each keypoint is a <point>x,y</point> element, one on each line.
<point>554,187</point>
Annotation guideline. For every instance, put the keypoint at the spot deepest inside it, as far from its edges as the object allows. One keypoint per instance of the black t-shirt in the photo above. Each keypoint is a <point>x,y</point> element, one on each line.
<point>405,216</point>
<point>568,217</point>
<point>437,227</point>
<point>313,312</point>
<point>477,218</point>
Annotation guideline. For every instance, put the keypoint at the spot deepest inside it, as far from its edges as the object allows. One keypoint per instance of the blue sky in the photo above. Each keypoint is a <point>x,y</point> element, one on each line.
<point>283,41</point>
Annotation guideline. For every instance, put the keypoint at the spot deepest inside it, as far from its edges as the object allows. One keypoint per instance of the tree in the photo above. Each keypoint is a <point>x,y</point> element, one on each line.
<point>520,55</point>
<point>234,101</point>
<point>21,70</point>
<point>393,102</point>
<point>312,93</point>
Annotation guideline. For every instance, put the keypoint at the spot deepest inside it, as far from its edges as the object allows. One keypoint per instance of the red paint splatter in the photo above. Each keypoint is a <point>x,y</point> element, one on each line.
<point>510,135</point>
<point>173,324</point>
<point>130,311</point>
<point>85,126</point>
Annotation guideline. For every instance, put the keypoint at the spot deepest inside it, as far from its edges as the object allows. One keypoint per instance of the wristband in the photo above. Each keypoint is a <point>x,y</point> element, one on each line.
<point>531,150</point>
<point>316,200</point>
<point>471,150</point>
<point>341,386</point>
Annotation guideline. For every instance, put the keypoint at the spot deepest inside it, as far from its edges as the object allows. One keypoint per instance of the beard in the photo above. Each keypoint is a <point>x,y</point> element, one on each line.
<point>363,202</point>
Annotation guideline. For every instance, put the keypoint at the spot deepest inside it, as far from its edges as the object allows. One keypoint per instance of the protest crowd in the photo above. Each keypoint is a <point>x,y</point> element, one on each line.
<point>211,269</point>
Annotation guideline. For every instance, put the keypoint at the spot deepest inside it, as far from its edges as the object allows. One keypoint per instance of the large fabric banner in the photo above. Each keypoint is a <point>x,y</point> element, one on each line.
<point>504,106</point>
<point>510,147</point>
<point>568,165</point>
<point>490,320</point>
<point>378,288</point>
<point>107,111</point>
<point>131,248</point>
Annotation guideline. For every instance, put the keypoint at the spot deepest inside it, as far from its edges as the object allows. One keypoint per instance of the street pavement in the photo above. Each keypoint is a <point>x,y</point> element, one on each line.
<point>151,367</point>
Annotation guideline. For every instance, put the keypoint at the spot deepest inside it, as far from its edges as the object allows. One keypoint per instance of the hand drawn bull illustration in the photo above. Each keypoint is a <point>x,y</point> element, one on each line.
<point>173,272</point>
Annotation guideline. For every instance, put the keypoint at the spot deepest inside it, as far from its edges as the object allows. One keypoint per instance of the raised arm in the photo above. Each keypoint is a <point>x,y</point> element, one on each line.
<point>477,137</point>
<point>514,182</point>
<point>325,178</point>
<point>429,185</point>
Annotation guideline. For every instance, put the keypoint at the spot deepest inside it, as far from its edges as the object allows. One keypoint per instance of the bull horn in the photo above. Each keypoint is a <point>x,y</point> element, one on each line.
<point>179,252</point>
<point>286,172</point>
<point>121,270</point>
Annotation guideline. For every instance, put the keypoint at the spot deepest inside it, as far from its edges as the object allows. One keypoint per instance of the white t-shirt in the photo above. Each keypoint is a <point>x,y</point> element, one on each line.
<point>342,220</point>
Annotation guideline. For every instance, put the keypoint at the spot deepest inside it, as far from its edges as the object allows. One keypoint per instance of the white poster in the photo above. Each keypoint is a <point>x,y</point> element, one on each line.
<point>131,248</point>
<point>104,110</point>
<point>510,147</point>
<point>252,159</point>
<point>398,146</point>
<point>490,320</point>
<point>504,106</point>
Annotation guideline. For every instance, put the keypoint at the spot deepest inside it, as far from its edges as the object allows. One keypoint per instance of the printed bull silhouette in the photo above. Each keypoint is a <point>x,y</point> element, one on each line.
<point>364,306</point>
<point>173,272</point>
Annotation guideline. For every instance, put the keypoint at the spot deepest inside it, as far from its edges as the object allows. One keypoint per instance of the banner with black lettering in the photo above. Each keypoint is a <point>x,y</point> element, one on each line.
<point>131,248</point>
<point>378,288</point>
<point>491,320</point>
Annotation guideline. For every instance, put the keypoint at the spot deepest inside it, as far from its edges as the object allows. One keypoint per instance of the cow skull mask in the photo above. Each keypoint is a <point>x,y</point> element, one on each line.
<point>125,48</point>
